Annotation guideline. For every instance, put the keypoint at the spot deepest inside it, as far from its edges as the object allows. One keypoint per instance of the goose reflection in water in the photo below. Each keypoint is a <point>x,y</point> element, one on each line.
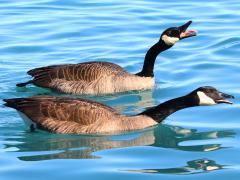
<point>192,167</point>
<point>45,146</point>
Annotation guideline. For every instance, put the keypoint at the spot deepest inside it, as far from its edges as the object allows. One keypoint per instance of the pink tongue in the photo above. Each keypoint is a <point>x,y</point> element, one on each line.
<point>191,32</point>
<point>188,33</point>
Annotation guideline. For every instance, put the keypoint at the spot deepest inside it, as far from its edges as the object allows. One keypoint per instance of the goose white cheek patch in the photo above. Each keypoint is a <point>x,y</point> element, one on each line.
<point>204,99</point>
<point>170,40</point>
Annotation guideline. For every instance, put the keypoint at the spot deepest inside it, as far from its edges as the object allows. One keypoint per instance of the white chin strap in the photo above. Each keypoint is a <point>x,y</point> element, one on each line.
<point>204,99</point>
<point>169,40</point>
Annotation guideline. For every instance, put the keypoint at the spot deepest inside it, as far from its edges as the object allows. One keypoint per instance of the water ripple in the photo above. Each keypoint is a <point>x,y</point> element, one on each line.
<point>193,141</point>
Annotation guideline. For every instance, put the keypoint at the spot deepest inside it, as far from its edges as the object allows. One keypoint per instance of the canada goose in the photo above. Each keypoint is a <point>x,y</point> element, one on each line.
<point>79,116</point>
<point>104,77</point>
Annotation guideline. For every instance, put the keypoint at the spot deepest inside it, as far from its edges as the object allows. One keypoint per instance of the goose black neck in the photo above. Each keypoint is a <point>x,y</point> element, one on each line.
<point>160,112</point>
<point>149,61</point>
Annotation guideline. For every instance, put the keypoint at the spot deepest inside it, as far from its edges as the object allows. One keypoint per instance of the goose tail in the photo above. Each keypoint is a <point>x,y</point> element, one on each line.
<point>24,84</point>
<point>12,103</point>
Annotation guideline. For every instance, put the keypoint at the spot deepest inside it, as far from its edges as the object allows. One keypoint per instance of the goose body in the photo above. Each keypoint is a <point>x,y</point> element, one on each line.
<point>79,116</point>
<point>75,116</point>
<point>104,77</point>
<point>89,78</point>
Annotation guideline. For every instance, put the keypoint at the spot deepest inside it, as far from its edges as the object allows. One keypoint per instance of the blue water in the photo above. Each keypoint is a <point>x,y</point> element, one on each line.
<point>200,142</point>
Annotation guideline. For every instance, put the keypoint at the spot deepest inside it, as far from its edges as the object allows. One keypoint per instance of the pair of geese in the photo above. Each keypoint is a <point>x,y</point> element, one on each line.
<point>80,116</point>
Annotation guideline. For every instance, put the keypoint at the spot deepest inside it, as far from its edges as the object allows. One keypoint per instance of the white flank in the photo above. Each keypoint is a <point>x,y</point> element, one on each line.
<point>28,122</point>
<point>105,85</point>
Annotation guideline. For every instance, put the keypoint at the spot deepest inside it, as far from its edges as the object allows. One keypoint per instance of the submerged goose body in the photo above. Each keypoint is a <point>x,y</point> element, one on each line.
<point>79,116</point>
<point>104,77</point>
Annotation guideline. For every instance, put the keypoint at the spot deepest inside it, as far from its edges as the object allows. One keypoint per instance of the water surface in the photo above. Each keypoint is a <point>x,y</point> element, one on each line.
<point>200,142</point>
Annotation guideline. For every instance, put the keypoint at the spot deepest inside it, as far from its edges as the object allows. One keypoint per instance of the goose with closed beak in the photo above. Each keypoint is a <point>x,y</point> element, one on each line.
<point>99,77</point>
<point>79,116</point>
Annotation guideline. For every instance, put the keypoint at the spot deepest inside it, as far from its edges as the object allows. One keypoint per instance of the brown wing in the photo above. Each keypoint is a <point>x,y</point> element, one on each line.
<point>62,114</point>
<point>86,72</point>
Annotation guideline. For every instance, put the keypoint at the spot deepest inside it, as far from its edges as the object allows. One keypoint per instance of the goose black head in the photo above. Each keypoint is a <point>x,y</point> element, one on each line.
<point>171,35</point>
<point>208,95</point>
<point>201,96</point>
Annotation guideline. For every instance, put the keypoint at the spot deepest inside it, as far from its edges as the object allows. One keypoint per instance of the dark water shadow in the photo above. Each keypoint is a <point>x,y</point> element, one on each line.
<point>39,146</point>
<point>192,167</point>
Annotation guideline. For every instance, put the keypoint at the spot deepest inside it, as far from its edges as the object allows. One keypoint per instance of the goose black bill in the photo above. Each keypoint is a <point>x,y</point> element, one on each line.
<point>184,33</point>
<point>223,98</point>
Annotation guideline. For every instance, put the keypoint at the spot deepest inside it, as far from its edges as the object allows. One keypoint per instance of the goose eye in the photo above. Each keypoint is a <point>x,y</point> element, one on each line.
<point>173,33</point>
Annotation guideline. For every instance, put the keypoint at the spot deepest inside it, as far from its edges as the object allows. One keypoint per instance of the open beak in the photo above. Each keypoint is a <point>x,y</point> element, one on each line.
<point>223,98</point>
<point>184,33</point>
